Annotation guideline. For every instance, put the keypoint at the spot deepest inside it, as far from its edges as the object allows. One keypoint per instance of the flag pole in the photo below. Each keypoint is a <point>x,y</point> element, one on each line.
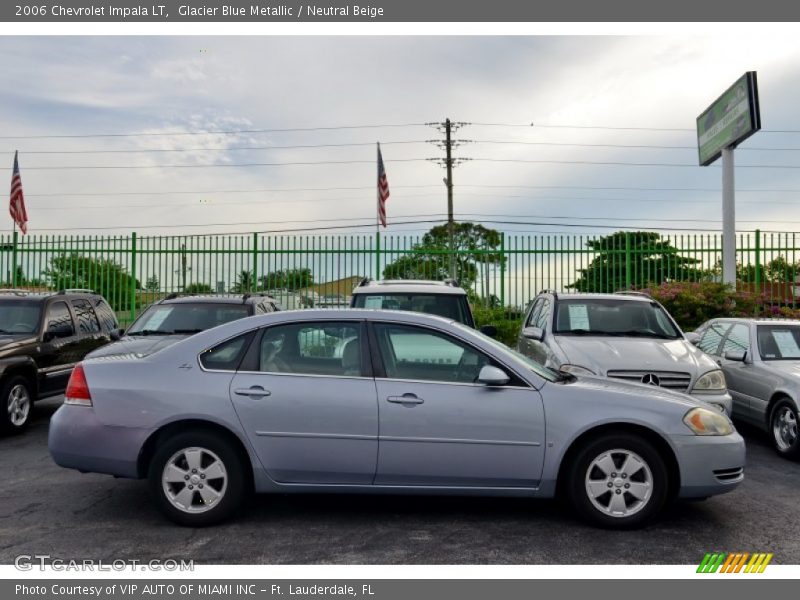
<point>377,213</point>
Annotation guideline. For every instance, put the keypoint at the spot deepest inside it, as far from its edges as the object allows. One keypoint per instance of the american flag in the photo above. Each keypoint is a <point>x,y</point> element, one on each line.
<point>16,205</point>
<point>383,189</point>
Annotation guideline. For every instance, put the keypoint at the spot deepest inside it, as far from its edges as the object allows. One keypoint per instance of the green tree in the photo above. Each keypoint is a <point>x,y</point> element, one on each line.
<point>198,288</point>
<point>152,284</point>
<point>476,251</point>
<point>244,283</point>
<point>651,260</point>
<point>104,276</point>
<point>287,279</point>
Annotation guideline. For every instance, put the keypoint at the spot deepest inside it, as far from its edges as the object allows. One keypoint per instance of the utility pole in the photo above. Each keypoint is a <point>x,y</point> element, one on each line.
<point>449,127</point>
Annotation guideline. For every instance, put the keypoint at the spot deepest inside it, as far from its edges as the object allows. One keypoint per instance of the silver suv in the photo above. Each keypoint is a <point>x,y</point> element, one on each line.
<point>623,336</point>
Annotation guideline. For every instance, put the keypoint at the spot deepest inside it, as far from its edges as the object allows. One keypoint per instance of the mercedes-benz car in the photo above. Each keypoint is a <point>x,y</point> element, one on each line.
<point>627,336</point>
<point>268,404</point>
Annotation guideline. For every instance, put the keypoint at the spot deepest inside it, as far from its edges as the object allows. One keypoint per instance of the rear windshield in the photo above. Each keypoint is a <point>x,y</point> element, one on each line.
<point>450,306</point>
<point>779,342</point>
<point>19,316</point>
<point>185,318</point>
<point>614,317</point>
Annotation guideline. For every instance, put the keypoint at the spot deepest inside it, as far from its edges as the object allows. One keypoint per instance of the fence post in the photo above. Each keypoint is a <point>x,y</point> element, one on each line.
<point>758,262</point>
<point>14,259</point>
<point>502,269</point>
<point>255,261</point>
<point>627,260</point>
<point>133,276</point>
<point>377,254</point>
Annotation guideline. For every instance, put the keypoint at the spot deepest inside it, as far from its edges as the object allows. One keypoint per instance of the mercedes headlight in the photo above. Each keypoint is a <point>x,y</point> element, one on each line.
<point>711,382</point>
<point>703,421</point>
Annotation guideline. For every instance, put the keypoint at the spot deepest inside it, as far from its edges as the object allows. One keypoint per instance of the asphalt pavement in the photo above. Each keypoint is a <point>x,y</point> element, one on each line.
<point>45,509</point>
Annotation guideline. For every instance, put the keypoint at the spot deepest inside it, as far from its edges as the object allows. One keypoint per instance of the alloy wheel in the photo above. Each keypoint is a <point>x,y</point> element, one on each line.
<point>619,483</point>
<point>194,480</point>
<point>19,405</point>
<point>784,428</point>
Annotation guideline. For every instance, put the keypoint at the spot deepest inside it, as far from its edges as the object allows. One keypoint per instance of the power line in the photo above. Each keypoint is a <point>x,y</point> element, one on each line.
<point>214,166</point>
<point>621,163</point>
<point>629,146</point>
<point>210,192</point>
<point>207,132</point>
<point>610,128</point>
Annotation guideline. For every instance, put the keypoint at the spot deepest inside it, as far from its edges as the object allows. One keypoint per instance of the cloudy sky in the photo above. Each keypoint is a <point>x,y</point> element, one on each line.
<point>112,131</point>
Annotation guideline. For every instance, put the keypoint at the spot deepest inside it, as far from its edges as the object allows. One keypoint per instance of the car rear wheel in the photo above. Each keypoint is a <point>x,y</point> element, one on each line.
<point>17,401</point>
<point>618,481</point>
<point>197,478</point>
<point>783,428</point>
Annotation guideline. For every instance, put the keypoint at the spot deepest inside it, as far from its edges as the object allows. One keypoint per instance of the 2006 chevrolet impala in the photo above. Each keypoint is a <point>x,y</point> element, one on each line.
<point>384,402</point>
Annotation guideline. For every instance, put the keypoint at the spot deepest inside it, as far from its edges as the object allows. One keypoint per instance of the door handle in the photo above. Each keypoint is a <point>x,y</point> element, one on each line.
<point>405,399</point>
<point>257,391</point>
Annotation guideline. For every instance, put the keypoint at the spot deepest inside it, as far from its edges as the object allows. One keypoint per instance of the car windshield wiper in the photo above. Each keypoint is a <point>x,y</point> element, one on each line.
<point>184,331</point>
<point>649,334</point>
<point>578,332</point>
<point>149,332</point>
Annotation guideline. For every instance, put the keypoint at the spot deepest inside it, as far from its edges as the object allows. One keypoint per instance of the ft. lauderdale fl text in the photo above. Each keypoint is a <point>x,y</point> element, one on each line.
<point>322,590</point>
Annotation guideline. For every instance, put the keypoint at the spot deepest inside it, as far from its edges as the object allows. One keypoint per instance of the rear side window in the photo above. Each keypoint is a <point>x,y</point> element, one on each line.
<point>227,355</point>
<point>106,316</point>
<point>87,320</point>
<point>59,320</point>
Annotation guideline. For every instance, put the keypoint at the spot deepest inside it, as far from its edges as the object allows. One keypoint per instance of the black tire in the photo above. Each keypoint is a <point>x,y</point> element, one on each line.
<point>15,419</point>
<point>230,489</point>
<point>783,429</point>
<point>616,447</point>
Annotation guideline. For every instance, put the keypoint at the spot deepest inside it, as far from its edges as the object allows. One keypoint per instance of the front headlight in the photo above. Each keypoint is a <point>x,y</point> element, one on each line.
<point>711,382</point>
<point>576,370</point>
<point>707,422</point>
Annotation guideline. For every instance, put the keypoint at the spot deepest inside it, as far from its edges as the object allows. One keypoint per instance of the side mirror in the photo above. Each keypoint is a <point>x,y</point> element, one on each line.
<point>693,338</point>
<point>115,334</point>
<point>489,330</point>
<point>48,336</point>
<point>736,355</point>
<point>533,333</point>
<point>493,376</point>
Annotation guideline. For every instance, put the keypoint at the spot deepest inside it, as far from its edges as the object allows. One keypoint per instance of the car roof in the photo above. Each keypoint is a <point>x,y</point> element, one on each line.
<point>756,320</point>
<point>409,286</point>
<point>625,296</point>
<point>216,299</point>
<point>13,294</point>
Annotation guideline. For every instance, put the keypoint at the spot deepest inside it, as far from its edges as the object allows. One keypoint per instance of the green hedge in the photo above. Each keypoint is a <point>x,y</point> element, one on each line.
<point>507,321</point>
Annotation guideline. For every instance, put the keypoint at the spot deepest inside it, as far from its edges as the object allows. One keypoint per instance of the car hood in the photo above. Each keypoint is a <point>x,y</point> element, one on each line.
<point>601,354</point>
<point>640,392</point>
<point>9,341</point>
<point>137,345</point>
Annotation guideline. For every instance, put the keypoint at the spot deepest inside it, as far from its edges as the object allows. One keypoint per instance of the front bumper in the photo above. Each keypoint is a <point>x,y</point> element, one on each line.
<point>709,465</point>
<point>723,400</point>
<point>78,440</point>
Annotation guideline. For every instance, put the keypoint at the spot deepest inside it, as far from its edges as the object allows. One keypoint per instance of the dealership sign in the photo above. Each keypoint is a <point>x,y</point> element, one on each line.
<point>731,118</point>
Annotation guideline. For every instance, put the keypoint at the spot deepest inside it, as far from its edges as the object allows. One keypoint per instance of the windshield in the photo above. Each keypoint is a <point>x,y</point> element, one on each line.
<point>450,306</point>
<point>779,342</point>
<point>521,360</point>
<point>185,318</point>
<point>19,316</point>
<point>615,317</point>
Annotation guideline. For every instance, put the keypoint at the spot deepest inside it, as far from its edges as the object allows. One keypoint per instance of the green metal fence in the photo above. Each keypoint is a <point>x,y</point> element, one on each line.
<point>321,270</point>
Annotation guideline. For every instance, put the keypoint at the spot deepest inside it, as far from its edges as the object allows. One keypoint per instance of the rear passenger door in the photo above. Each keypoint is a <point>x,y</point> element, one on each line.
<point>306,397</point>
<point>90,334</point>
<point>60,348</point>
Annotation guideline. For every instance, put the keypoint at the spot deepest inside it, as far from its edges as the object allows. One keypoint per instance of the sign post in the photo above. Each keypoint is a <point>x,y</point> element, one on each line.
<point>731,119</point>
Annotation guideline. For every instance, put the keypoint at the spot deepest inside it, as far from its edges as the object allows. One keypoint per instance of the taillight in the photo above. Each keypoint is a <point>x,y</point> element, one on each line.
<point>77,388</point>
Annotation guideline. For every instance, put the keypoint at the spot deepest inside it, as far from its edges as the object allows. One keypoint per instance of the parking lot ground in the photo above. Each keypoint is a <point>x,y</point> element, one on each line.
<point>45,509</point>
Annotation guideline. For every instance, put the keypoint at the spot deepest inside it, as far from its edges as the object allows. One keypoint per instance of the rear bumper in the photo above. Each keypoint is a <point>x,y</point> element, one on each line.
<point>709,465</point>
<point>78,440</point>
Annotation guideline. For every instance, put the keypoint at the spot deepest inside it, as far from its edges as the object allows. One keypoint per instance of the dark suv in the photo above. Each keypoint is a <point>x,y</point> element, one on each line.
<point>42,336</point>
<point>177,317</point>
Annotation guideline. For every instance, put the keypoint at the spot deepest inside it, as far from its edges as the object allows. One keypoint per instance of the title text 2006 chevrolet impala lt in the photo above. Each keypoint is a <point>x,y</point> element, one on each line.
<point>384,402</point>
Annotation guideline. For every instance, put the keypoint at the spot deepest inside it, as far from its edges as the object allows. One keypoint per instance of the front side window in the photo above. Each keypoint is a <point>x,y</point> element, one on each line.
<point>709,343</point>
<point>186,318</point>
<point>87,320</point>
<point>537,306</point>
<point>20,316</point>
<point>541,316</point>
<point>613,317</point>
<point>779,342</point>
<point>59,320</point>
<point>738,339</point>
<point>324,348</point>
<point>420,354</point>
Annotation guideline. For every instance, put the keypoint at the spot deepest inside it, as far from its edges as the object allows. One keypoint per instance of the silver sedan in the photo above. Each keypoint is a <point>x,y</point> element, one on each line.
<point>384,402</point>
<point>761,361</point>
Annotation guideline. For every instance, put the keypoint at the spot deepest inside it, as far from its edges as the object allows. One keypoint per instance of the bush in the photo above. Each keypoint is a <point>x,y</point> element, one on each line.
<point>507,320</point>
<point>693,303</point>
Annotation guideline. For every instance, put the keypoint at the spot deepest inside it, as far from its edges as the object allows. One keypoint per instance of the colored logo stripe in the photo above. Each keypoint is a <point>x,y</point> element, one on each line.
<point>734,562</point>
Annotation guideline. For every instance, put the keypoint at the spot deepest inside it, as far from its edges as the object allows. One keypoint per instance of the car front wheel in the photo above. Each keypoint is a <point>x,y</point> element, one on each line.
<point>17,401</point>
<point>783,428</point>
<point>197,479</point>
<point>618,481</point>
